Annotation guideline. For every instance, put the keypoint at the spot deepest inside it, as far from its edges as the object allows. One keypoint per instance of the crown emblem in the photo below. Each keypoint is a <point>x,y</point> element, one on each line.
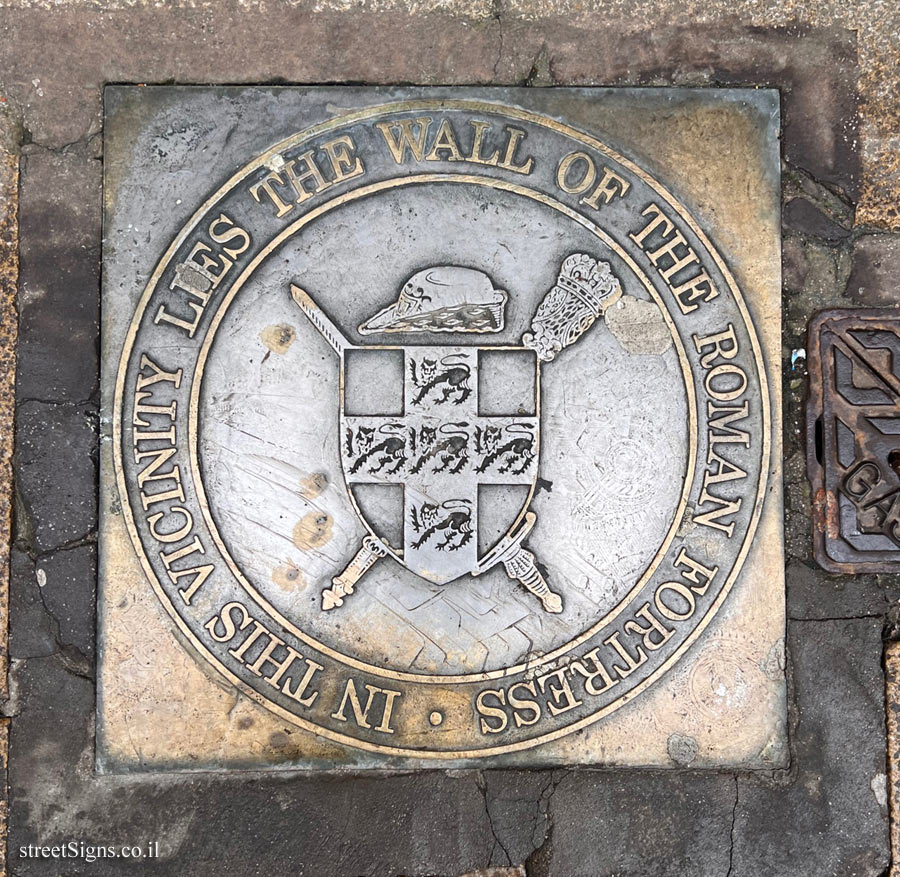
<point>585,289</point>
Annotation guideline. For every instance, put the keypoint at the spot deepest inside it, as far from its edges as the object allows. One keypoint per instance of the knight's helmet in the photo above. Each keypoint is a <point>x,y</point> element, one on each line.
<point>446,298</point>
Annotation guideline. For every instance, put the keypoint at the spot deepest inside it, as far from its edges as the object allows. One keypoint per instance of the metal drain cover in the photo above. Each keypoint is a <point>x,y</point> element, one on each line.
<point>853,439</point>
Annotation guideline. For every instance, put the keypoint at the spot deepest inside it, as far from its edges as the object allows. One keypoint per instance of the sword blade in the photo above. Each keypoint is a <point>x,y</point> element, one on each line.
<point>320,320</point>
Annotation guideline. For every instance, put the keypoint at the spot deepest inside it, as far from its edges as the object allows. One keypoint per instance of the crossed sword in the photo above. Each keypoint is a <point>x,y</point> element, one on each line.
<point>516,559</point>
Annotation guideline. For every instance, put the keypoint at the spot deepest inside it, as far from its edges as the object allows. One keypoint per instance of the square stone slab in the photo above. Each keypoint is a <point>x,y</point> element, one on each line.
<point>441,429</point>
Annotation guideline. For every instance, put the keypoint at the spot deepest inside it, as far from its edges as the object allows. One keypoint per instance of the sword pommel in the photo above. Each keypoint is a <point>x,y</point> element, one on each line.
<point>520,565</point>
<point>343,585</point>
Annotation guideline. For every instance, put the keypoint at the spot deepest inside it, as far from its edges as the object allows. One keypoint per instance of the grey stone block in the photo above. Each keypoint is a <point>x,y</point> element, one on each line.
<point>59,276</point>
<point>875,276</point>
<point>829,816</point>
<point>641,825</point>
<point>56,447</point>
<point>67,580</point>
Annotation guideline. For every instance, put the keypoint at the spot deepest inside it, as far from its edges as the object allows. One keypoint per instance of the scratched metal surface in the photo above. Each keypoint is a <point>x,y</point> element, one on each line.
<point>271,443</point>
<point>271,427</point>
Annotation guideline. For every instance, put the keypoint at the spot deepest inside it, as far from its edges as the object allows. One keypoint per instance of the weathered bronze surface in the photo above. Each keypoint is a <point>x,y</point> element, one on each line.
<point>441,429</point>
<point>853,436</point>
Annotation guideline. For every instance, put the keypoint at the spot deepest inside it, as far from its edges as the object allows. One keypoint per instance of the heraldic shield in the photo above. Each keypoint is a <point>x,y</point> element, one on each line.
<point>440,445</point>
<point>442,450</point>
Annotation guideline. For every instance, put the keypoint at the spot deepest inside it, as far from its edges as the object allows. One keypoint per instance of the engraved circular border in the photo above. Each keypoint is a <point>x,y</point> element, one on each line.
<point>690,639</point>
<point>194,408</point>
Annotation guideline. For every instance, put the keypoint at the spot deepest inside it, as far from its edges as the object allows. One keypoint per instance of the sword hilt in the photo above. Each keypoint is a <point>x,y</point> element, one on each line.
<point>342,585</point>
<point>520,565</point>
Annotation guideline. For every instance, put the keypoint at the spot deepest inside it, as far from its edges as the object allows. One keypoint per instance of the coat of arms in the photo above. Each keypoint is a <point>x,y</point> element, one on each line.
<point>442,449</point>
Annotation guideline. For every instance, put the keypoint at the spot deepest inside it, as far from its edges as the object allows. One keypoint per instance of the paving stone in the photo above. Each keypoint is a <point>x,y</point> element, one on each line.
<point>794,263</point>
<point>637,825</point>
<point>67,581</point>
<point>813,594</point>
<point>815,70</point>
<point>59,276</point>
<point>56,473</point>
<point>875,278</point>
<point>803,216</point>
<point>517,803</point>
<point>829,816</point>
<point>53,603</point>
<point>33,634</point>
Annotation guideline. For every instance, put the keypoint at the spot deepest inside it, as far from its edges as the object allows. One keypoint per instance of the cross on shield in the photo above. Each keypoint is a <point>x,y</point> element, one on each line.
<point>441,450</point>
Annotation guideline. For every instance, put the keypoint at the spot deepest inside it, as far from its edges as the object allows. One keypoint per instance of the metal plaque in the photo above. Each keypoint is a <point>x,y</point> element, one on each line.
<point>442,428</point>
<point>853,439</point>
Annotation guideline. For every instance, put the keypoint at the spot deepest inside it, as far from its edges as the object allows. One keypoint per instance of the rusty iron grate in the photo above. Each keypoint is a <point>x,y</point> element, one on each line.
<point>853,439</point>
